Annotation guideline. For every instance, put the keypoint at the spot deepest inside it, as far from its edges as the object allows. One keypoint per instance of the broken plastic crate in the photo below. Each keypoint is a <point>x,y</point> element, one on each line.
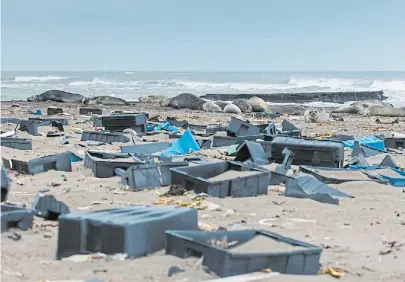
<point>5,184</point>
<point>395,177</point>
<point>103,164</point>
<point>365,150</point>
<point>251,152</point>
<point>222,179</point>
<point>223,141</point>
<point>60,161</point>
<point>13,216</point>
<point>238,127</point>
<point>48,121</point>
<point>90,111</point>
<point>105,137</point>
<point>48,207</point>
<point>307,186</point>
<point>150,175</point>
<point>229,253</point>
<point>289,129</point>
<point>136,122</point>
<point>16,143</point>
<point>134,230</point>
<point>145,149</point>
<point>309,151</point>
<point>339,175</point>
<point>394,143</point>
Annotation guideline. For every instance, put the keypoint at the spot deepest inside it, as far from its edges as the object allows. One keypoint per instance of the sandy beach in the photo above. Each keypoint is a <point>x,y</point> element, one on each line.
<point>354,235</point>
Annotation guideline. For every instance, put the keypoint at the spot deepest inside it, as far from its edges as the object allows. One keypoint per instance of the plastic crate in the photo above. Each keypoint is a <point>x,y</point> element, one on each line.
<point>136,122</point>
<point>135,230</point>
<point>48,207</point>
<point>15,217</point>
<point>48,121</point>
<point>5,184</point>
<point>152,175</point>
<point>394,143</point>
<point>90,111</point>
<point>60,162</point>
<point>238,127</point>
<point>226,262</point>
<point>222,141</point>
<point>105,137</point>
<point>16,143</point>
<point>309,151</point>
<point>197,178</point>
<point>370,141</point>
<point>252,152</point>
<point>53,111</point>
<point>146,149</point>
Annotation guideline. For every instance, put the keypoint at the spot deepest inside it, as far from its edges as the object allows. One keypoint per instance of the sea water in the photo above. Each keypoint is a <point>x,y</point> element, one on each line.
<point>132,84</point>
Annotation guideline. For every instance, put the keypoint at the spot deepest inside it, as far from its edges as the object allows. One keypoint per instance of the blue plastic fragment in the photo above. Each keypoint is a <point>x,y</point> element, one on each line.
<point>150,127</point>
<point>184,145</point>
<point>76,158</point>
<point>36,112</point>
<point>167,126</point>
<point>370,141</point>
<point>394,181</point>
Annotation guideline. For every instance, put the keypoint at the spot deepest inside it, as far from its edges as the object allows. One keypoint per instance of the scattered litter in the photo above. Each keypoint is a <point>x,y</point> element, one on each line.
<point>175,190</point>
<point>48,207</point>
<point>15,236</point>
<point>185,145</point>
<point>36,112</point>
<point>54,111</point>
<point>333,271</point>
<point>251,152</point>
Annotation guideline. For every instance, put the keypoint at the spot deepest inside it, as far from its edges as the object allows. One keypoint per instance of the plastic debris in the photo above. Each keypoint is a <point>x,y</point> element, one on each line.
<point>168,127</point>
<point>36,112</point>
<point>185,145</point>
<point>251,152</point>
<point>307,186</point>
<point>370,141</point>
<point>333,271</point>
<point>48,207</point>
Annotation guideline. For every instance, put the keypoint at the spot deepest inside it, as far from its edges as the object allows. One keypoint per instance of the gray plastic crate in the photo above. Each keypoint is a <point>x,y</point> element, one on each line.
<point>151,175</point>
<point>103,164</point>
<point>13,216</point>
<point>105,137</point>
<point>4,120</point>
<point>61,162</point>
<point>252,152</point>
<point>289,129</point>
<point>227,262</point>
<point>309,151</point>
<point>16,143</point>
<point>48,207</point>
<point>90,111</point>
<point>394,143</point>
<point>135,230</point>
<point>136,122</point>
<point>5,184</point>
<point>146,149</point>
<point>48,121</point>
<point>197,178</point>
<point>53,111</point>
<point>238,127</point>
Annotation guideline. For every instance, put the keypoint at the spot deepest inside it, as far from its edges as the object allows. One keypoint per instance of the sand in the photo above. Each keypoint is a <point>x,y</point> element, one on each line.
<point>230,174</point>
<point>352,234</point>
<point>343,175</point>
<point>263,244</point>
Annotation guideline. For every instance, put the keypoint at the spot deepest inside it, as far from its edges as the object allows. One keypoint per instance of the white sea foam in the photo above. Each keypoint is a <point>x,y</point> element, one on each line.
<point>391,85</point>
<point>129,72</point>
<point>38,78</point>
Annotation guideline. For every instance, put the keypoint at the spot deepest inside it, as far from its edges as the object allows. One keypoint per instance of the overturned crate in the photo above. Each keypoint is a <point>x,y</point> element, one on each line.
<point>53,111</point>
<point>135,230</point>
<point>150,175</point>
<point>222,141</point>
<point>229,253</point>
<point>104,137</point>
<point>136,122</point>
<point>103,164</point>
<point>90,111</point>
<point>309,151</point>
<point>62,161</point>
<point>13,216</point>
<point>238,127</point>
<point>16,143</point>
<point>222,179</point>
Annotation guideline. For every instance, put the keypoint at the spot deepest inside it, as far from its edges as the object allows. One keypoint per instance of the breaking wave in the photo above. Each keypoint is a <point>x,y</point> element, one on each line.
<point>39,78</point>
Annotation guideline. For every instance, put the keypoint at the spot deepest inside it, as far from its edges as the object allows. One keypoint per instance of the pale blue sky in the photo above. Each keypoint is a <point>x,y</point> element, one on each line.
<point>205,35</point>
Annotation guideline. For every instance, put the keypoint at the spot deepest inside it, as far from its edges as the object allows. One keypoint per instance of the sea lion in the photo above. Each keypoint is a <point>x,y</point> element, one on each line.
<point>243,105</point>
<point>222,104</point>
<point>185,101</point>
<point>57,96</point>
<point>155,99</point>
<point>105,100</point>
<point>232,109</point>
<point>257,104</point>
<point>211,107</point>
<point>315,116</point>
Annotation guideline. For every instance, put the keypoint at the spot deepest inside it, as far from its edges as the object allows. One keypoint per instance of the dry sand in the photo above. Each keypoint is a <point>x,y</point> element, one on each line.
<point>230,174</point>
<point>263,244</point>
<point>352,234</point>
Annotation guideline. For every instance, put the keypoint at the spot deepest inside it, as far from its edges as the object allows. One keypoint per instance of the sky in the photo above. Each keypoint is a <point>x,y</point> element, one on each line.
<point>203,35</point>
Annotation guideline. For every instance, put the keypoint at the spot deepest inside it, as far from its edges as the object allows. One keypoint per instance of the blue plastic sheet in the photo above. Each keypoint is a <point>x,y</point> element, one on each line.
<point>184,145</point>
<point>167,126</point>
<point>150,127</point>
<point>398,181</point>
<point>370,141</point>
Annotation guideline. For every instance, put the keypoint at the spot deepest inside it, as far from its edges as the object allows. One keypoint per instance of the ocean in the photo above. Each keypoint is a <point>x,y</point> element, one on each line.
<point>132,84</point>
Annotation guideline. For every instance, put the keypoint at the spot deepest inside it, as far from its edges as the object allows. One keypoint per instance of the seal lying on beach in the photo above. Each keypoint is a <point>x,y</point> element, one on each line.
<point>243,105</point>
<point>286,109</point>
<point>211,107</point>
<point>369,108</point>
<point>222,104</point>
<point>257,104</point>
<point>232,109</point>
<point>184,101</point>
<point>57,96</point>
<point>105,100</point>
<point>152,99</point>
